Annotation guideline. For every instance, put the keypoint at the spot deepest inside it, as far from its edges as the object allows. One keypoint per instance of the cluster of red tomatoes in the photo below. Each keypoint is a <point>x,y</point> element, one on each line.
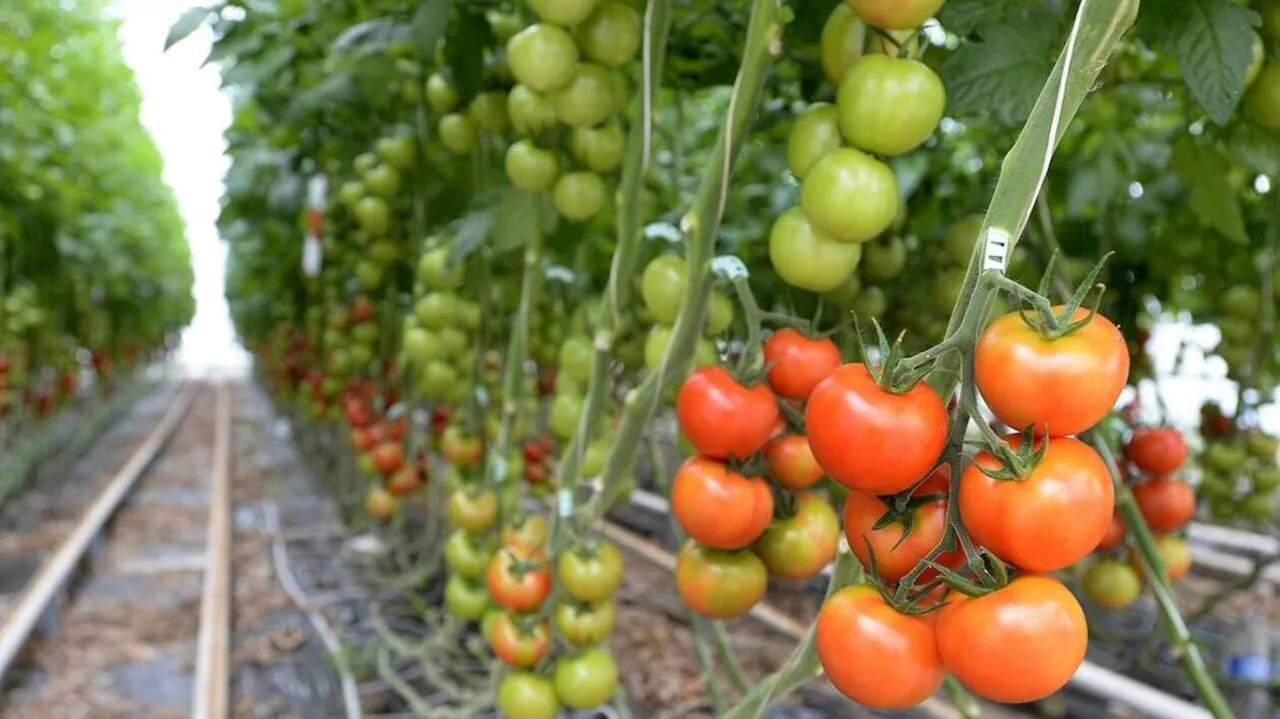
<point>1166,502</point>
<point>379,444</point>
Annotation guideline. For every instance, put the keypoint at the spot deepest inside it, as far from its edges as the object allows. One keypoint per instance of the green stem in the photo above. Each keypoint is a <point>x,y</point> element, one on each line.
<point>704,660</point>
<point>961,697</point>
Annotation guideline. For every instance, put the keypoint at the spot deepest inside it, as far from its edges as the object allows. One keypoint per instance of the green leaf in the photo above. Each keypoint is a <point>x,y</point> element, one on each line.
<point>1213,42</point>
<point>471,231</point>
<point>429,23</point>
<point>187,23</point>
<point>1003,72</point>
<point>464,52</point>
<point>1203,167</point>
<point>964,16</point>
<point>374,31</point>
<point>512,225</point>
<point>1256,147</point>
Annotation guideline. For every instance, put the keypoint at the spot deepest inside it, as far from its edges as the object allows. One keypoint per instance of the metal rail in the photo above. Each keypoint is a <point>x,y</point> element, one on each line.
<point>54,573</point>
<point>213,660</point>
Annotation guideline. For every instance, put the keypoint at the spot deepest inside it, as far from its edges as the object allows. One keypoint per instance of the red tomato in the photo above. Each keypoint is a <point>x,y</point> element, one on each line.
<point>358,413</point>
<point>1156,450</point>
<point>1062,386</point>
<point>872,440</point>
<point>518,591</point>
<point>798,362</point>
<point>719,507</point>
<point>722,418</point>
<point>896,548</point>
<point>520,647</point>
<point>404,481</point>
<point>875,655</point>
<point>719,584</point>
<point>1114,534</point>
<point>792,463</point>
<point>1048,520</point>
<point>1018,644</point>
<point>388,457</point>
<point>1166,503</point>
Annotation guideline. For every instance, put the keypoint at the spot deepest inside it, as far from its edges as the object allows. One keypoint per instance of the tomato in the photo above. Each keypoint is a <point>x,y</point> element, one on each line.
<point>655,347</point>
<point>465,599</point>
<point>872,440</point>
<point>586,680</point>
<point>799,546</point>
<point>1156,450</point>
<point>1018,644</point>
<point>814,133</point>
<point>719,507</point>
<point>380,504</point>
<point>1263,97</point>
<point>406,480</point>
<point>719,314</point>
<point>361,440</point>
<point>844,35</point>
<point>436,379</point>
<point>871,302</point>
<point>1113,535</point>
<point>663,285</point>
<point>587,98</point>
<point>1174,553</point>
<point>1261,445</point>
<point>474,512</point>
<point>528,532</point>
<point>399,151</point>
<point>722,418</point>
<point>591,573</point>
<point>962,237</point>
<point>460,449</point>
<point>579,196</point>
<point>565,411</point>
<point>542,57</point>
<point>873,654</point>
<point>1111,584</point>
<point>791,462</point>
<point>530,167</point>
<point>518,591</point>
<point>718,584</point>
<point>584,625</point>
<point>1062,386</point>
<point>382,180</point>
<point>895,14</point>
<point>599,148</point>
<point>458,133</point>
<point>520,644</point>
<point>806,259</point>
<point>441,95</point>
<point>888,105</point>
<point>466,557</point>
<point>388,457</point>
<point>563,12</point>
<point>798,362</point>
<point>611,36</point>
<point>523,695</point>
<point>884,260</point>
<point>1265,479</point>
<point>896,548</point>
<point>1225,458</point>
<point>845,173</point>
<point>531,112</point>
<point>372,215</point>
<point>1167,503</point>
<point>1048,520</point>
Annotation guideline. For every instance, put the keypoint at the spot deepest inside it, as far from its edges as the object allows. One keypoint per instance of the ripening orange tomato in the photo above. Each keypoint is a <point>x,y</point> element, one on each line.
<point>719,507</point>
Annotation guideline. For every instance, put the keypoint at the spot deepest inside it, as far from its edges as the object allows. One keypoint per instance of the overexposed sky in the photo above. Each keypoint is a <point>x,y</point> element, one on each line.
<point>186,113</point>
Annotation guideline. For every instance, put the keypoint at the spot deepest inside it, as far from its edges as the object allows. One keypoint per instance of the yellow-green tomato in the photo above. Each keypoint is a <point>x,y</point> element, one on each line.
<point>586,680</point>
<point>843,38</point>
<point>563,12</point>
<point>719,314</point>
<point>587,98</point>
<point>530,111</point>
<point>655,347</point>
<point>611,36</point>
<point>815,133</point>
<point>1263,99</point>
<point>530,167</point>
<point>829,190</point>
<point>542,57</point>
<point>441,95</point>
<point>805,258</point>
<point>578,196</point>
<point>489,111</point>
<point>599,148</point>
<point>524,695</point>
<point>662,286</point>
<point>458,133</point>
<point>889,105</point>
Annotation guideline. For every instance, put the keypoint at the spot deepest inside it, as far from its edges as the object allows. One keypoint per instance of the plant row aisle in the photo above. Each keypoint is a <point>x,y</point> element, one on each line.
<point>879,276</point>
<point>95,274</point>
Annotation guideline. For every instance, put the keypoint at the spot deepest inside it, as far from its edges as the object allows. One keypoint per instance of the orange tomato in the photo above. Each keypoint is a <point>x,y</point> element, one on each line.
<point>798,363</point>
<point>896,549</point>
<point>791,462</point>
<point>518,591</point>
<point>719,507</point>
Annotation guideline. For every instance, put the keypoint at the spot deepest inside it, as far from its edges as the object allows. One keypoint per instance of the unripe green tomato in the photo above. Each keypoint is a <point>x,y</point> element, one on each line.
<point>889,105</point>
<point>421,345</point>
<point>843,38</point>
<point>369,274</point>
<point>468,315</point>
<point>366,333</point>
<point>531,112</point>
<point>814,134</point>
<point>384,252</point>
<point>563,12</point>
<point>843,174</point>
<point>595,457</point>
<point>655,347</point>
<point>1263,98</point>
<point>576,356</point>
<point>351,193</point>
<point>587,98</point>
<point>579,196</point>
<point>436,310</point>
<point>611,36</point>
<point>599,148</point>
<point>804,258</point>
<point>441,95</point>
<point>364,162</point>
<point>961,238</point>
<point>870,303</point>
<point>542,57</point>
<point>489,111</point>
<point>662,286</point>
<point>372,215</point>
<point>530,167</point>
<point>360,356</point>
<point>847,293</point>
<point>382,180</point>
<point>399,151</point>
<point>435,272</point>
<point>884,260</point>
<point>1241,301</point>
<point>1256,61</point>
<point>458,133</point>
<point>719,314</point>
<point>453,341</point>
<point>503,24</point>
<point>1257,507</point>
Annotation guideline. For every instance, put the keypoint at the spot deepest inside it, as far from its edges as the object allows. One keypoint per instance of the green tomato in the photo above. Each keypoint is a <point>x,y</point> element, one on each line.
<point>1262,101</point>
<point>843,174</point>
<point>871,303</point>
<point>542,57</point>
<point>1111,584</point>
<point>595,457</point>
<point>1224,458</point>
<point>441,95</point>
<point>398,151</point>
<point>961,239</point>
<point>436,379</point>
<point>814,134</point>
<point>587,98</point>
<point>566,410</point>
<point>599,148</point>
<point>464,557</point>
<point>382,180</point>
<point>655,347</point>
<point>372,215</point>
<point>804,258</point>
<point>889,105</point>
<point>364,162</point>
<point>1257,507</point>
<point>421,345</point>
<point>563,12</point>
<point>531,168</point>
<point>369,274</point>
<point>1222,508</point>
<point>489,111</point>
<point>366,333</point>
<point>350,193</point>
<point>577,355</point>
<point>719,314</point>
<point>946,289</point>
<point>1266,479</point>
<point>465,599</point>
<point>531,112</point>
<point>591,574</point>
<point>1242,301</point>
<point>458,134</point>
<point>578,196</point>
<point>454,342</point>
<point>384,252</point>
<point>844,35</point>
<point>468,315</point>
<point>847,293</point>
<point>584,625</point>
<point>436,310</point>
<point>611,35</point>
<point>435,272</point>
<point>523,695</point>
<point>662,286</point>
<point>884,260</point>
<point>587,680</point>
<point>1259,56</point>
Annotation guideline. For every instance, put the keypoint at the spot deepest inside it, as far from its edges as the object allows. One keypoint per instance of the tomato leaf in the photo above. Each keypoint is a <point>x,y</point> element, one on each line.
<point>187,23</point>
<point>512,227</point>
<point>1004,71</point>
<point>464,52</point>
<point>1203,167</point>
<point>370,32</point>
<point>1213,42</point>
<point>429,23</point>
<point>964,16</point>
<point>471,231</point>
